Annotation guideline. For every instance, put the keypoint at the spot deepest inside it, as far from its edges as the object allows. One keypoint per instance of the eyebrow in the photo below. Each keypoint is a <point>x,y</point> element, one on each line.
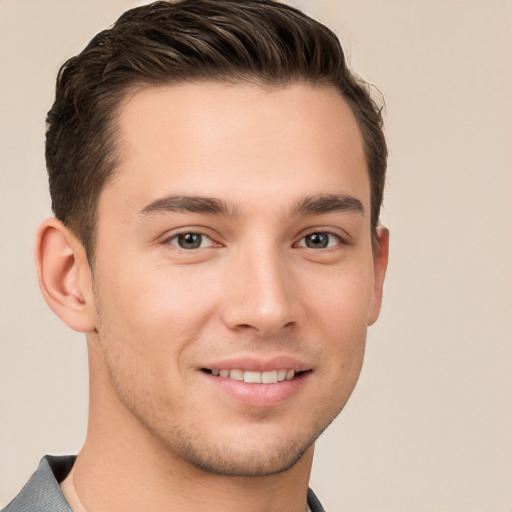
<point>317,204</point>
<point>327,203</point>
<point>191,204</point>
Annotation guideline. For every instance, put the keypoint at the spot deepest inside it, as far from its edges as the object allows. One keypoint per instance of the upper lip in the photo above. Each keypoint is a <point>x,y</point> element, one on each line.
<point>258,364</point>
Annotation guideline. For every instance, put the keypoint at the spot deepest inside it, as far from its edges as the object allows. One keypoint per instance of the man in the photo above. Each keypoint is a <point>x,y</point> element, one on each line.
<point>216,175</point>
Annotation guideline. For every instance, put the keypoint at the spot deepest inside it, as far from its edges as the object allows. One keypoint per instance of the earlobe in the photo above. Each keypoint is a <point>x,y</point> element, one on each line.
<point>64,275</point>
<point>380,263</point>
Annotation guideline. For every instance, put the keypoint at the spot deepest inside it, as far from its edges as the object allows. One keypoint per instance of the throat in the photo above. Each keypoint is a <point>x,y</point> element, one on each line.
<point>67,486</point>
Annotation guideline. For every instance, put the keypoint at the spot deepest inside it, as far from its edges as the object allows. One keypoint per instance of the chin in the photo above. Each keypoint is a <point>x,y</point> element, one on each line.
<point>246,462</point>
<point>253,453</point>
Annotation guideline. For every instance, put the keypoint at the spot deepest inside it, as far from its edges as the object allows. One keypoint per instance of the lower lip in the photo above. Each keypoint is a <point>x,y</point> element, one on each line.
<point>258,395</point>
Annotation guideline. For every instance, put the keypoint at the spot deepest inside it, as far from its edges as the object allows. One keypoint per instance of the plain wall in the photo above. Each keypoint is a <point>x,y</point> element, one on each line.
<point>429,427</point>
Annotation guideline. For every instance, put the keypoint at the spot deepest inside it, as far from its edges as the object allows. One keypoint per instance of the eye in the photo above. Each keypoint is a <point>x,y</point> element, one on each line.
<point>191,241</point>
<point>320,240</point>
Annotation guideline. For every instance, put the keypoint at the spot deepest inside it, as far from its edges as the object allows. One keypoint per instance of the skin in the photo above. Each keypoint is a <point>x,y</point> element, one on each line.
<point>162,431</point>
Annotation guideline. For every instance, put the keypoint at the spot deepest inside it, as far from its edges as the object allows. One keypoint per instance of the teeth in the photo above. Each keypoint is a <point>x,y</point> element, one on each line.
<point>252,377</point>
<point>236,374</point>
<point>270,377</point>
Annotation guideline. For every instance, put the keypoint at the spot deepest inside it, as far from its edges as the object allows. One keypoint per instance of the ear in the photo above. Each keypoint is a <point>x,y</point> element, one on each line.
<point>64,275</point>
<point>380,264</point>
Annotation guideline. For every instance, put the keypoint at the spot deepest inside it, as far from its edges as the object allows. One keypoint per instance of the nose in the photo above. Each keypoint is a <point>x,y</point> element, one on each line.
<point>260,295</point>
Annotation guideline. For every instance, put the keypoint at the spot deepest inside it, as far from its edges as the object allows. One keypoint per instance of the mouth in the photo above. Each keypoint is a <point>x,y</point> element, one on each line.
<point>255,377</point>
<point>257,382</point>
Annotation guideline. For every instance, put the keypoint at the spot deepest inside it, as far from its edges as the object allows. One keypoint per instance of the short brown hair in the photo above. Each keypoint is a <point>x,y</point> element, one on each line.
<point>259,41</point>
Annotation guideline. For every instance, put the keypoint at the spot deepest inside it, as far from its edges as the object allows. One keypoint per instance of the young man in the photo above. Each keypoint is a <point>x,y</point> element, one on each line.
<point>216,175</point>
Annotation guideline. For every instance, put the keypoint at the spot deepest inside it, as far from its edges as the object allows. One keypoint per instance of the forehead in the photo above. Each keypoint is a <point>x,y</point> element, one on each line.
<point>238,142</point>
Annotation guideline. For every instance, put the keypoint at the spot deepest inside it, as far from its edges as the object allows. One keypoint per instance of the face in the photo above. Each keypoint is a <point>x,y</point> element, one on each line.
<point>234,276</point>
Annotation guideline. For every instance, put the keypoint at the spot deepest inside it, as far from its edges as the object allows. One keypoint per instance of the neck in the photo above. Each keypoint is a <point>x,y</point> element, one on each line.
<point>118,472</point>
<point>123,466</point>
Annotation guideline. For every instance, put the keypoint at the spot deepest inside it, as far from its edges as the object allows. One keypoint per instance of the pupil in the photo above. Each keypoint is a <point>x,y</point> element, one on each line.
<point>189,241</point>
<point>317,240</point>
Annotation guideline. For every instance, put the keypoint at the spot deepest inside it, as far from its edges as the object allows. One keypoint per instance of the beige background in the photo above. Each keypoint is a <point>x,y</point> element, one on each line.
<point>429,427</point>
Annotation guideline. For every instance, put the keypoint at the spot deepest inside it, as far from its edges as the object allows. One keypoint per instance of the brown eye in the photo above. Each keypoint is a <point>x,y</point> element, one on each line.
<point>189,240</point>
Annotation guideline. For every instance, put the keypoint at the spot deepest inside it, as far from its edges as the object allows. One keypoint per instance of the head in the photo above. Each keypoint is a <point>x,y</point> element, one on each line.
<point>217,172</point>
<point>166,43</point>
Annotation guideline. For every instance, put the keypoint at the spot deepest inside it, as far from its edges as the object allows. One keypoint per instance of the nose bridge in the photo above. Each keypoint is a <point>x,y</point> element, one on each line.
<point>261,297</point>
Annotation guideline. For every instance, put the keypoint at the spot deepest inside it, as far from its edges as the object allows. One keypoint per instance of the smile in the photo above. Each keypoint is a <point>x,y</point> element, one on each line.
<point>257,382</point>
<point>255,377</point>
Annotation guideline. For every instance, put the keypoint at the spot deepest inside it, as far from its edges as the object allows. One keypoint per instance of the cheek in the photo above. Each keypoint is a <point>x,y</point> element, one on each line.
<point>342,298</point>
<point>341,310</point>
<point>157,310</point>
<point>146,326</point>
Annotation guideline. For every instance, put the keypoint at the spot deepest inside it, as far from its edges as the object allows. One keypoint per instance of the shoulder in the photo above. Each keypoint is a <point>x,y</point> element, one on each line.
<point>42,492</point>
<point>314,503</point>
